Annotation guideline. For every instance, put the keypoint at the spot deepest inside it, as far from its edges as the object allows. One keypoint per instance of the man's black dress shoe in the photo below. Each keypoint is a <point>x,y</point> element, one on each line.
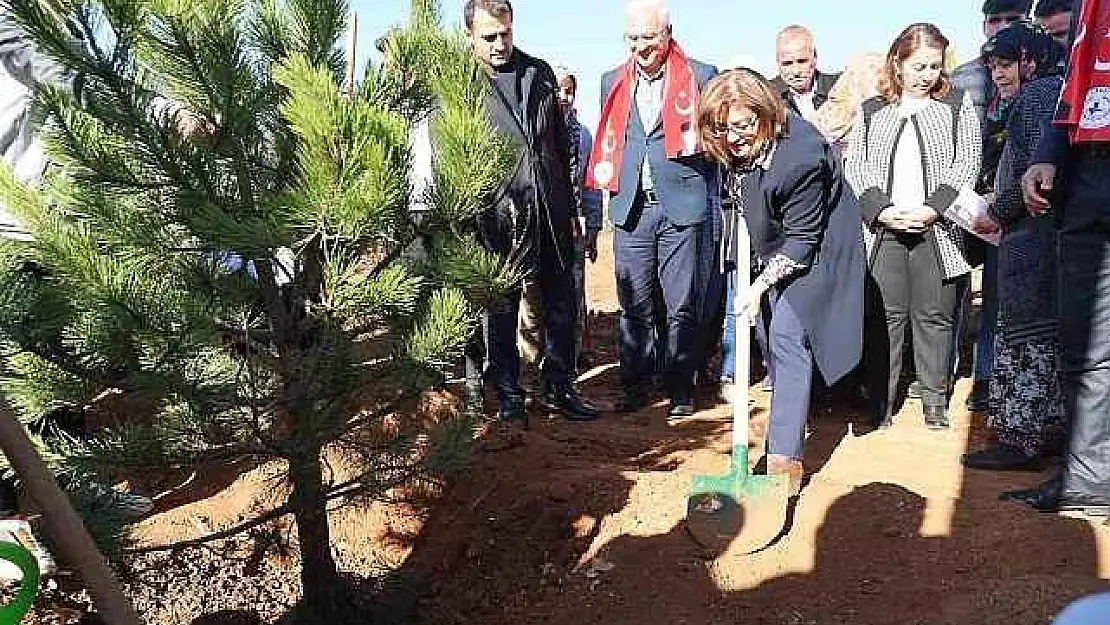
<point>1001,457</point>
<point>936,417</point>
<point>1050,497</point>
<point>567,400</point>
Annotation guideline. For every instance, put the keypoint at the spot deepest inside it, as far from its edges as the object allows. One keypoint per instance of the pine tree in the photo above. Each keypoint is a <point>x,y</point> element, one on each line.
<point>251,293</point>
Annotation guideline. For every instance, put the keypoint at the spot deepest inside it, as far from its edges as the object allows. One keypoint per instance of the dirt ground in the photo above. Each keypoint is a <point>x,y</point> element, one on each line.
<point>584,523</point>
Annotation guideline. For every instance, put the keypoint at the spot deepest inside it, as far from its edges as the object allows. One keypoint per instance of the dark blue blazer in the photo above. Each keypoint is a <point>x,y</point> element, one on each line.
<point>682,184</point>
<point>802,207</point>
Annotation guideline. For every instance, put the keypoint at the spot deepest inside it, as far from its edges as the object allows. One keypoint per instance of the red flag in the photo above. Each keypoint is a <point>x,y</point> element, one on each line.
<point>1085,100</point>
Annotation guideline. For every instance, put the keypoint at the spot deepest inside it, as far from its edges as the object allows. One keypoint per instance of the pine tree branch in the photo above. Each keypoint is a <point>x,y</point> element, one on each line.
<point>357,486</point>
<point>347,489</point>
<point>231,532</point>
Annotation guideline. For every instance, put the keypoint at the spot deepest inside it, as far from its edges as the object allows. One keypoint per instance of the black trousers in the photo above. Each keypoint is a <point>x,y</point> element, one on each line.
<point>496,338</point>
<point>909,292</point>
<point>651,250</point>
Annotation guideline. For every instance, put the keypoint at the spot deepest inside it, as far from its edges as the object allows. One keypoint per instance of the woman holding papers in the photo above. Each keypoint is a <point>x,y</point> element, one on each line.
<point>803,220</point>
<point>915,147</point>
<point>1026,398</point>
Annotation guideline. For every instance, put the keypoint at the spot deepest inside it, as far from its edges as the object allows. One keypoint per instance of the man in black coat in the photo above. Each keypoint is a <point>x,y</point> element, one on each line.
<point>529,219</point>
<point>1070,176</point>
<point>801,85</point>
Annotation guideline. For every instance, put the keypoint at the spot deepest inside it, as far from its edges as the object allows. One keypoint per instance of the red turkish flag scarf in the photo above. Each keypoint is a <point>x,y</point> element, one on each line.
<point>681,98</point>
<point>1085,100</point>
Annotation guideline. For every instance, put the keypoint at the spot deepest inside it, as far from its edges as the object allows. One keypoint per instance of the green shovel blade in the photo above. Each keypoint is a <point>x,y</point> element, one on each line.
<point>736,510</point>
<point>13,613</point>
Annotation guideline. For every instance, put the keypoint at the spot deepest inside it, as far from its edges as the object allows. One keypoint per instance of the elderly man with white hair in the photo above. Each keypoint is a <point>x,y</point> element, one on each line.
<point>648,163</point>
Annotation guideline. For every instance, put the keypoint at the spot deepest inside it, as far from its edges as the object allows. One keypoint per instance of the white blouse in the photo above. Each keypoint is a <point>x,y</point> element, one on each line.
<point>908,188</point>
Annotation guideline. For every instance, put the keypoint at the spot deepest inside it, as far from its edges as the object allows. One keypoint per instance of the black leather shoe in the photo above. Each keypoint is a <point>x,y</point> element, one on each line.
<point>936,417</point>
<point>1048,491</point>
<point>568,401</point>
<point>1051,497</point>
<point>1001,458</point>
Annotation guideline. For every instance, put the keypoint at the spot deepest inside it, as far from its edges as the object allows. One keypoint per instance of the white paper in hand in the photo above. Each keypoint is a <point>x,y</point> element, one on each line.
<point>968,209</point>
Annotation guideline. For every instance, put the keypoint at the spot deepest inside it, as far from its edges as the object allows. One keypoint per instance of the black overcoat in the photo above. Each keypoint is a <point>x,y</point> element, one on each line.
<point>798,204</point>
<point>542,153</point>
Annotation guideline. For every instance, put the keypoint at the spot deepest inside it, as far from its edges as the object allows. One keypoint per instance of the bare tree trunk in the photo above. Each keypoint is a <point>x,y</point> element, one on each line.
<point>319,575</point>
<point>62,523</point>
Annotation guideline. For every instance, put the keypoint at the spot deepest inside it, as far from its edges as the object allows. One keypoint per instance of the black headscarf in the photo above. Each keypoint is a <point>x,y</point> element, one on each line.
<point>1024,40</point>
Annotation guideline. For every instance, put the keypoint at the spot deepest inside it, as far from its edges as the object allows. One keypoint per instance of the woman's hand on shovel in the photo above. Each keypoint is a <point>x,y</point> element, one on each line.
<point>754,300</point>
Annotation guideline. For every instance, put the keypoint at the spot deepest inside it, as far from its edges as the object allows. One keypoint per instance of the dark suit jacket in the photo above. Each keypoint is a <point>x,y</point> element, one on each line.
<point>682,185</point>
<point>540,176</point>
<point>822,85</point>
<point>802,207</point>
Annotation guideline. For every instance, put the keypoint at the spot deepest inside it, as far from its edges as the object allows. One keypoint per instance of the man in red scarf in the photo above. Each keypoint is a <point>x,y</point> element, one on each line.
<point>1071,178</point>
<point>656,182</point>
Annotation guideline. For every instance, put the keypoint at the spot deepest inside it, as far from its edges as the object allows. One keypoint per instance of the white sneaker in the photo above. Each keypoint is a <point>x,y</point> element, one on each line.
<point>18,531</point>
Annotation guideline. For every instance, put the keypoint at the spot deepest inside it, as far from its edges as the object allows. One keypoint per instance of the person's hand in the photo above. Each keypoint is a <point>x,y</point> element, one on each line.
<point>891,217</point>
<point>589,246</point>
<point>985,225</point>
<point>753,302</point>
<point>922,218</point>
<point>192,125</point>
<point>1035,185</point>
<point>900,219</point>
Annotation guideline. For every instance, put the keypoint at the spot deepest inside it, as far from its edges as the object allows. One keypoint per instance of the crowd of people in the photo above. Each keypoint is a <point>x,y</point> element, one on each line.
<point>848,185</point>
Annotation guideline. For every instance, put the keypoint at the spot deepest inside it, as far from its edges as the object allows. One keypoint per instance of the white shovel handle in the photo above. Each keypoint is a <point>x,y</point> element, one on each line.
<point>742,340</point>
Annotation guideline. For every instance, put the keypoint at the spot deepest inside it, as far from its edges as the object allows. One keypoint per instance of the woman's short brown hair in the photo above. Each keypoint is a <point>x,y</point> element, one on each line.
<point>747,88</point>
<point>913,38</point>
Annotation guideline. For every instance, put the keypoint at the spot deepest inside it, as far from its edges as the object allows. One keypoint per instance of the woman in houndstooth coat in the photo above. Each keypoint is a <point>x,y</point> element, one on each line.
<point>917,145</point>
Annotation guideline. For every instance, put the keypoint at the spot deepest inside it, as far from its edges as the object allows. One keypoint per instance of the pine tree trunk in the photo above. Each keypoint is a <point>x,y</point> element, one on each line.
<point>319,576</point>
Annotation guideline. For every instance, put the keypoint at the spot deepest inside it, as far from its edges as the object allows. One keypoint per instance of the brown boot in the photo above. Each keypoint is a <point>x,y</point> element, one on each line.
<point>789,467</point>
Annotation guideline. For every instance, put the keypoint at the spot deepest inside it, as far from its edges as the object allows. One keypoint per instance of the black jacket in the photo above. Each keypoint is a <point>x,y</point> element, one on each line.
<point>801,206</point>
<point>540,177</point>
<point>822,85</point>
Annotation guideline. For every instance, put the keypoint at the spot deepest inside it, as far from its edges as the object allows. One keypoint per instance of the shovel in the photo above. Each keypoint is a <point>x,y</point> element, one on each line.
<point>738,509</point>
